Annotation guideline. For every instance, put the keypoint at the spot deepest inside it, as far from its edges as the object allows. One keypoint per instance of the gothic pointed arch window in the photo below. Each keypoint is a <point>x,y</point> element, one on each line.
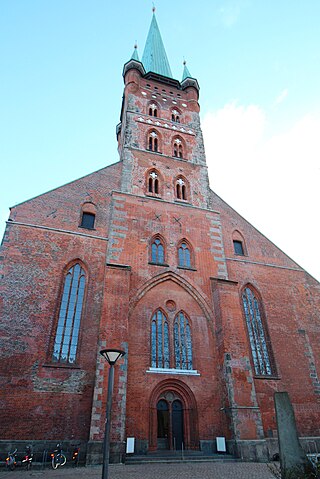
<point>260,344</point>
<point>182,342</point>
<point>160,352</point>
<point>175,116</point>
<point>178,148</point>
<point>181,189</point>
<point>153,141</point>
<point>157,250</point>
<point>153,182</point>
<point>70,312</point>
<point>185,257</point>
<point>153,109</point>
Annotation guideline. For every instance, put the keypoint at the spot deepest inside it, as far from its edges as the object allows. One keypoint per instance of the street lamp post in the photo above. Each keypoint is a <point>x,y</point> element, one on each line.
<point>112,356</point>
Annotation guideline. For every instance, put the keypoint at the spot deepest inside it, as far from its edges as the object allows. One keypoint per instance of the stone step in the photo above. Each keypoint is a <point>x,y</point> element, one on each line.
<point>170,457</point>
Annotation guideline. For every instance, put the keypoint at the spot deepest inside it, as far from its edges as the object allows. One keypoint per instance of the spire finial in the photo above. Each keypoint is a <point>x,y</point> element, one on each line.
<point>153,7</point>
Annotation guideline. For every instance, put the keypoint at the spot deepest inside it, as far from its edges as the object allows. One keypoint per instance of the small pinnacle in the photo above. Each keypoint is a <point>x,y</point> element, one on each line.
<point>184,62</point>
<point>135,46</point>
<point>153,8</point>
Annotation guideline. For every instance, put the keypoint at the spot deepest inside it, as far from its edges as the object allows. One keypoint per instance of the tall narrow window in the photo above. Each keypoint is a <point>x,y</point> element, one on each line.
<point>182,342</point>
<point>184,255</point>
<point>181,190</point>
<point>153,143</point>
<point>153,183</point>
<point>66,340</point>
<point>177,148</point>
<point>157,251</point>
<point>160,355</point>
<point>259,341</point>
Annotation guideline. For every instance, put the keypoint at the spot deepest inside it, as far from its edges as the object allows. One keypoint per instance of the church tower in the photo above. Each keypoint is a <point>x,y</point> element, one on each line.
<point>143,256</point>
<point>160,140</point>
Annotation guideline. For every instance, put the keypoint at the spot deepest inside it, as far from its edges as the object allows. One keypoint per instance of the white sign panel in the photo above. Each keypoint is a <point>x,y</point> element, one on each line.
<point>221,444</point>
<point>130,445</point>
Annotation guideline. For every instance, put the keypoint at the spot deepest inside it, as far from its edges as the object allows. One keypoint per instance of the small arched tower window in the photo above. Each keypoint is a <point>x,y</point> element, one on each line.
<point>177,148</point>
<point>67,332</point>
<point>153,182</point>
<point>260,343</point>
<point>88,216</point>
<point>184,255</point>
<point>181,189</point>
<point>239,245</point>
<point>153,110</point>
<point>157,250</point>
<point>175,116</point>
<point>153,141</point>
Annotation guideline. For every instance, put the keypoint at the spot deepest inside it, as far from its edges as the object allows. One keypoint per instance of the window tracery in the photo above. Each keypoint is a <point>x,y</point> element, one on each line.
<point>153,182</point>
<point>67,332</point>
<point>157,251</point>
<point>153,141</point>
<point>181,189</point>
<point>258,336</point>
<point>160,353</point>
<point>153,110</point>
<point>175,116</point>
<point>177,148</point>
<point>184,255</point>
<point>182,342</point>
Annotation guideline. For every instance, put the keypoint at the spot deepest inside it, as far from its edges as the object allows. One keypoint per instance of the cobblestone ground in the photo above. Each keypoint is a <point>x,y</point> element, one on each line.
<point>205,470</point>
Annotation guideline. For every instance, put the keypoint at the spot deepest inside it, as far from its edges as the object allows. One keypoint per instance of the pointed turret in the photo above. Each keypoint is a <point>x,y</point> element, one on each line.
<point>154,58</point>
<point>187,79</point>
<point>135,55</point>
<point>186,73</point>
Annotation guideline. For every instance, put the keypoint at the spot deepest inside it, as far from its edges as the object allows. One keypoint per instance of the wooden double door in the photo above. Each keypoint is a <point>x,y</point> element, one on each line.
<point>170,434</point>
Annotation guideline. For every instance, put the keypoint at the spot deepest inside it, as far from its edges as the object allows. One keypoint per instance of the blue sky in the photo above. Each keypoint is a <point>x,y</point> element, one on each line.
<point>258,66</point>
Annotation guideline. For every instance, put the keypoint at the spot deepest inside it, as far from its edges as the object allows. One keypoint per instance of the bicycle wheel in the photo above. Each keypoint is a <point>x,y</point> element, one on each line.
<point>54,463</point>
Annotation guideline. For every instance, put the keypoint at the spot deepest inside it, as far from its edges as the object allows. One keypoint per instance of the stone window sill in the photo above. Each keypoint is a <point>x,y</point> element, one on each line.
<point>86,228</point>
<point>268,378</point>
<point>61,366</point>
<point>153,195</point>
<point>187,268</point>
<point>185,372</point>
<point>158,264</point>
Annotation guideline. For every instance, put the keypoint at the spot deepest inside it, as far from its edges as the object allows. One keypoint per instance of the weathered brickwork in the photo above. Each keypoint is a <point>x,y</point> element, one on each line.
<point>220,393</point>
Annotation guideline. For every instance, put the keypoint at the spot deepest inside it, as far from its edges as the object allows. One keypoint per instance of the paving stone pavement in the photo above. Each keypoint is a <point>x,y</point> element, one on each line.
<point>204,470</point>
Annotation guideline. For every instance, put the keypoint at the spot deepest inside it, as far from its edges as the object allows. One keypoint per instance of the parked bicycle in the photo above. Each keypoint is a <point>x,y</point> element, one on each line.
<point>26,460</point>
<point>11,460</point>
<point>57,457</point>
<point>75,456</point>
<point>315,463</point>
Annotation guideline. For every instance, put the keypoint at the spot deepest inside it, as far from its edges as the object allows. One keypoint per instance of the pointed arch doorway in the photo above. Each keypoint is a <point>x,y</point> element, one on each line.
<point>173,417</point>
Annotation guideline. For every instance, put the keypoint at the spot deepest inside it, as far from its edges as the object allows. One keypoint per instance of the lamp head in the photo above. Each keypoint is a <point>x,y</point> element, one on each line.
<point>112,355</point>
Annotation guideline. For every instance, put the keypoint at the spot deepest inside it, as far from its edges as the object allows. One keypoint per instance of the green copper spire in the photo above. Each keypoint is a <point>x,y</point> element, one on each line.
<point>154,58</point>
<point>135,55</point>
<point>186,73</point>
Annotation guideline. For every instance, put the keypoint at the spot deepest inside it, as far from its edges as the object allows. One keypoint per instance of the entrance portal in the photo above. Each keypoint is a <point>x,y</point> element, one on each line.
<point>170,423</point>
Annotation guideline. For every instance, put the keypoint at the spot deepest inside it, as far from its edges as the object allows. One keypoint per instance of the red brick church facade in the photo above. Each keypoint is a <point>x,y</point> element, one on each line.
<point>143,256</point>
